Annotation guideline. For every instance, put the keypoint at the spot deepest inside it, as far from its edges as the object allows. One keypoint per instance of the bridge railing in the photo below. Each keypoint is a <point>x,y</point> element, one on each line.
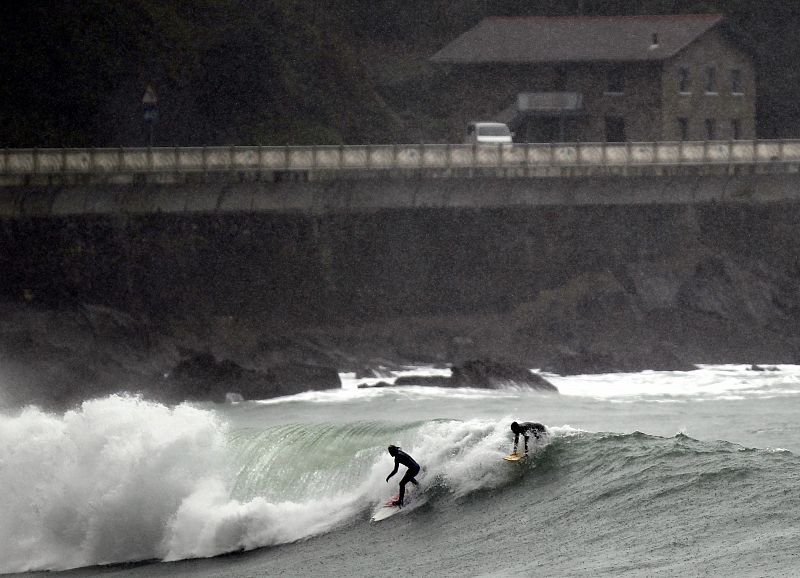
<point>387,157</point>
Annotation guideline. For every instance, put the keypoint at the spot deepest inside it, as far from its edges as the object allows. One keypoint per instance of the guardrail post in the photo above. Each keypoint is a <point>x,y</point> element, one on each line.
<point>474,162</point>
<point>730,154</point>
<point>627,156</point>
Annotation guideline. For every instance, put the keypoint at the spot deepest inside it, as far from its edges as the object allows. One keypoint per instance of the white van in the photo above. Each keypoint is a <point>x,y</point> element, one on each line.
<point>488,133</point>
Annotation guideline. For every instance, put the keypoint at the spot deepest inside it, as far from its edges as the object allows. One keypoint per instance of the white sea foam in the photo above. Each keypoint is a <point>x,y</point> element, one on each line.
<point>99,484</point>
<point>708,382</point>
<point>123,479</point>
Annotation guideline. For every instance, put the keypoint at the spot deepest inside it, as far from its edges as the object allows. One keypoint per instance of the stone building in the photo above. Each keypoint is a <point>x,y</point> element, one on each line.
<point>594,79</point>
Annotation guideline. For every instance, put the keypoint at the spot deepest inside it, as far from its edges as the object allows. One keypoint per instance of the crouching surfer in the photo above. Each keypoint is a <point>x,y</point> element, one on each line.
<point>401,457</point>
<point>527,429</point>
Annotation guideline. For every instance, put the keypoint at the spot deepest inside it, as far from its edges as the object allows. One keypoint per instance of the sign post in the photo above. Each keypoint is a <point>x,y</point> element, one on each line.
<point>150,111</point>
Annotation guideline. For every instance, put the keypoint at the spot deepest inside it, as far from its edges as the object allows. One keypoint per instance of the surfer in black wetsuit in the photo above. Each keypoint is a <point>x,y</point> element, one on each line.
<point>526,429</point>
<point>401,457</point>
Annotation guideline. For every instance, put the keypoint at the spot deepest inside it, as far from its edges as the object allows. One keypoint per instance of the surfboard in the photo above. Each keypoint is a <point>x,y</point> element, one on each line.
<point>388,509</point>
<point>514,457</point>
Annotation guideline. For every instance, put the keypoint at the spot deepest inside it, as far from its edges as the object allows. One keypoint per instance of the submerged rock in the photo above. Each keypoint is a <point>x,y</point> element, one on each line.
<point>379,384</point>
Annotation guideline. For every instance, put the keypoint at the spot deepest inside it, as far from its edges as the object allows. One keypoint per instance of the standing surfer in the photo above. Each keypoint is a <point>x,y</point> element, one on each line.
<point>526,428</point>
<point>401,457</point>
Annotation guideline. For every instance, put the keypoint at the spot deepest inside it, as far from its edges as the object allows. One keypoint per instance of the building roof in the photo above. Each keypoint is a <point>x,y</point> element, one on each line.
<point>575,39</point>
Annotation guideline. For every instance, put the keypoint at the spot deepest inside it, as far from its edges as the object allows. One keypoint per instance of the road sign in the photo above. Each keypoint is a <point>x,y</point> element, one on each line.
<point>150,113</point>
<point>149,98</point>
<point>150,105</point>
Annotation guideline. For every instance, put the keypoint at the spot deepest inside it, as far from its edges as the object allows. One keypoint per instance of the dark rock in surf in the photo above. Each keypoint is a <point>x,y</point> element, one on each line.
<point>429,380</point>
<point>756,367</point>
<point>201,377</point>
<point>483,374</point>
<point>379,384</point>
<point>487,373</point>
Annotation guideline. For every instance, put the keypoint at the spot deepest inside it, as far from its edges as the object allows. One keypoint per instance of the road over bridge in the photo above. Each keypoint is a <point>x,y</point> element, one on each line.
<point>323,179</point>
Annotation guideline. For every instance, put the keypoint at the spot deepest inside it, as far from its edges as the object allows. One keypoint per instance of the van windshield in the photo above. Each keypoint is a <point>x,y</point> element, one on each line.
<point>494,130</point>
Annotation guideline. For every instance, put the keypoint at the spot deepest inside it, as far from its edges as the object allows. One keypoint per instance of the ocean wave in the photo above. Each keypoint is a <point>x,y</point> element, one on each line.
<point>122,479</point>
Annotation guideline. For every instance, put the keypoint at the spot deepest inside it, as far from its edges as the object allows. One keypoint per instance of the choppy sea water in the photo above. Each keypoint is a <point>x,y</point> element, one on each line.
<point>649,474</point>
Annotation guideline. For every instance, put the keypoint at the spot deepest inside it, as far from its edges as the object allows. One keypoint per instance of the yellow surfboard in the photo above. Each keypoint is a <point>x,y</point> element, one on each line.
<point>514,457</point>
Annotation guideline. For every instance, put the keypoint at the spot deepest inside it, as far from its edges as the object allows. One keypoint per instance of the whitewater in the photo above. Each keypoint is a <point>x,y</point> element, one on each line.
<point>645,474</point>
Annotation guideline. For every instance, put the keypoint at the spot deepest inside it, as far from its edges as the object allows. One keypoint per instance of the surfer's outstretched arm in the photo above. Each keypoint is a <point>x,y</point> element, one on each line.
<point>394,471</point>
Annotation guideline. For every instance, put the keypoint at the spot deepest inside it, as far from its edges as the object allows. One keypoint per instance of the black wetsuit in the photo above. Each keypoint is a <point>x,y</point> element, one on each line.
<point>402,457</point>
<point>527,428</point>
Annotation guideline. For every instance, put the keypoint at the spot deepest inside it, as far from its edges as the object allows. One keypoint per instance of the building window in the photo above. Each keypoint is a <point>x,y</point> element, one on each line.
<point>683,80</point>
<point>711,129</point>
<point>736,129</point>
<point>683,128</point>
<point>736,81</point>
<point>615,78</point>
<point>711,79</point>
<point>615,129</point>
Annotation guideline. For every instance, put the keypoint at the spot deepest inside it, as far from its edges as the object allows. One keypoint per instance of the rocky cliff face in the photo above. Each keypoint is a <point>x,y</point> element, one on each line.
<point>566,288</point>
